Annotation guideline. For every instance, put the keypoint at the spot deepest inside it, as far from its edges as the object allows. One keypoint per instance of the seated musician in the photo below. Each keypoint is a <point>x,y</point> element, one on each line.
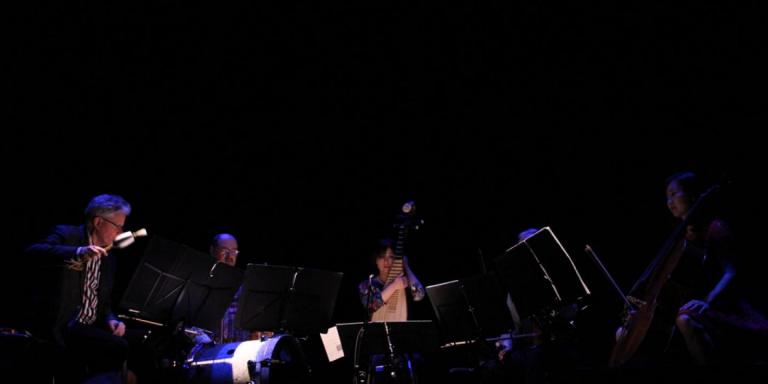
<point>519,356</point>
<point>710,311</point>
<point>381,293</point>
<point>386,296</point>
<point>74,308</point>
<point>224,249</point>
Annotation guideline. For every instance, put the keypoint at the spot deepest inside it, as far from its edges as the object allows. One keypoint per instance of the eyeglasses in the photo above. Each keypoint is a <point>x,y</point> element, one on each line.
<point>228,251</point>
<point>118,226</point>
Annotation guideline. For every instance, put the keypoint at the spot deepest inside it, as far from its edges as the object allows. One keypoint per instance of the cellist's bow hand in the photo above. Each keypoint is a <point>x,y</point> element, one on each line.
<point>629,311</point>
<point>693,307</point>
<point>636,303</point>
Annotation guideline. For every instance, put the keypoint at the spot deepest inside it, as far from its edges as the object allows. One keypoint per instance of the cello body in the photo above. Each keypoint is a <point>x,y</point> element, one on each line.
<point>639,320</point>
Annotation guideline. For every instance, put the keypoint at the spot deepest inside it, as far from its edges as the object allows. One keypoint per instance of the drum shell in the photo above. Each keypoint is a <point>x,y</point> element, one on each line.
<point>259,361</point>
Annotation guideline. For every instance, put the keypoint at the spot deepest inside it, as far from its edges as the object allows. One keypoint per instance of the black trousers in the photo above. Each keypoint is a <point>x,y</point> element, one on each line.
<point>96,348</point>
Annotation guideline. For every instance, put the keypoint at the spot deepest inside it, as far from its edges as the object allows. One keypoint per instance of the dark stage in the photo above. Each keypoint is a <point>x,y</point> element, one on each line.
<point>302,127</point>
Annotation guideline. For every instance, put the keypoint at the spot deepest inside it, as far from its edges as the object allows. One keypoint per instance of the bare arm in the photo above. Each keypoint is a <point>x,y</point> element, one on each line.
<point>400,282</point>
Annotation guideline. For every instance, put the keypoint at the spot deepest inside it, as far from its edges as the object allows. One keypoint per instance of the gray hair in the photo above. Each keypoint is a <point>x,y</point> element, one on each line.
<point>106,205</point>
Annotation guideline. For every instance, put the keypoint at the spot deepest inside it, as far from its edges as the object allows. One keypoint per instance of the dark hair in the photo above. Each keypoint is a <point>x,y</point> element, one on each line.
<point>381,247</point>
<point>688,182</point>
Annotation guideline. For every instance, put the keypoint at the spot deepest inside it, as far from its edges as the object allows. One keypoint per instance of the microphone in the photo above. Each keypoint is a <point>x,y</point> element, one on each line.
<point>368,312</point>
<point>370,282</point>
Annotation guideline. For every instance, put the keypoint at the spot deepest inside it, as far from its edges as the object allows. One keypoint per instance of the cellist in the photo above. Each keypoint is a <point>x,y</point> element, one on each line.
<point>702,277</point>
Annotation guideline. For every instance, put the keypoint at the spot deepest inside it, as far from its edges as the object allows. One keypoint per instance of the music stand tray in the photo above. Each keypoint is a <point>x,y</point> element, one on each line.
<point>287,299</point>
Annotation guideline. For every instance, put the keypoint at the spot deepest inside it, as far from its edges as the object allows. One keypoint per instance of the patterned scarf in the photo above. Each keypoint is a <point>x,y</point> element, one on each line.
<point>90,291</point>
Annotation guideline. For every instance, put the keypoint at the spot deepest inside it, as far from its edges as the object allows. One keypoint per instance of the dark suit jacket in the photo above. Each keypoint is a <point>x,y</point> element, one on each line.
<point>58,295</point>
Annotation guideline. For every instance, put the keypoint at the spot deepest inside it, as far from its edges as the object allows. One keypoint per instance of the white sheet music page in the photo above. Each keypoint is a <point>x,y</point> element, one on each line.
<point>332,344</point>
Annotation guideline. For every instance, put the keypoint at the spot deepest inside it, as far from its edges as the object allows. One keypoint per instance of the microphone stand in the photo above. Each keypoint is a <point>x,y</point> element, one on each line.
<point>284,303</point>
<point>361,375</point>
<point>477,338</point>
<point>393,360</point>
<point>392,365</point>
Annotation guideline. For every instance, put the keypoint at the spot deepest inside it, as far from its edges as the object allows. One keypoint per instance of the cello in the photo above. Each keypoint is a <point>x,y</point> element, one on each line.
<point>641,310</point>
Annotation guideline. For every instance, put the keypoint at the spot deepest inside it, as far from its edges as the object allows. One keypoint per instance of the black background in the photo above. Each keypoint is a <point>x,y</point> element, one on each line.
<point>301,127</point>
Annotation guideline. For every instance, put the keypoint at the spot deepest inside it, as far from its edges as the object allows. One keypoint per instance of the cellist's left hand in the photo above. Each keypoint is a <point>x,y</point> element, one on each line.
<point>694,307</point>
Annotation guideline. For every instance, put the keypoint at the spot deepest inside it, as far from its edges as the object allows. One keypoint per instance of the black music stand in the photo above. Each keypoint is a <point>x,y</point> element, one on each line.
<point>470,308</point>
<point>175,283</point>
<point>391,340</point>
<point>540,276</point>
<point>287,299</point>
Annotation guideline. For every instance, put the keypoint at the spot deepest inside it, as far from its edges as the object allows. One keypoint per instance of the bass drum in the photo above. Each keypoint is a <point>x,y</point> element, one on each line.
<point>271,361</point>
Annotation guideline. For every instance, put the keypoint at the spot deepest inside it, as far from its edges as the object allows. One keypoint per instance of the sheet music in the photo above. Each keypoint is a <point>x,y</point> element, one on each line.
<point>332,344</point>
